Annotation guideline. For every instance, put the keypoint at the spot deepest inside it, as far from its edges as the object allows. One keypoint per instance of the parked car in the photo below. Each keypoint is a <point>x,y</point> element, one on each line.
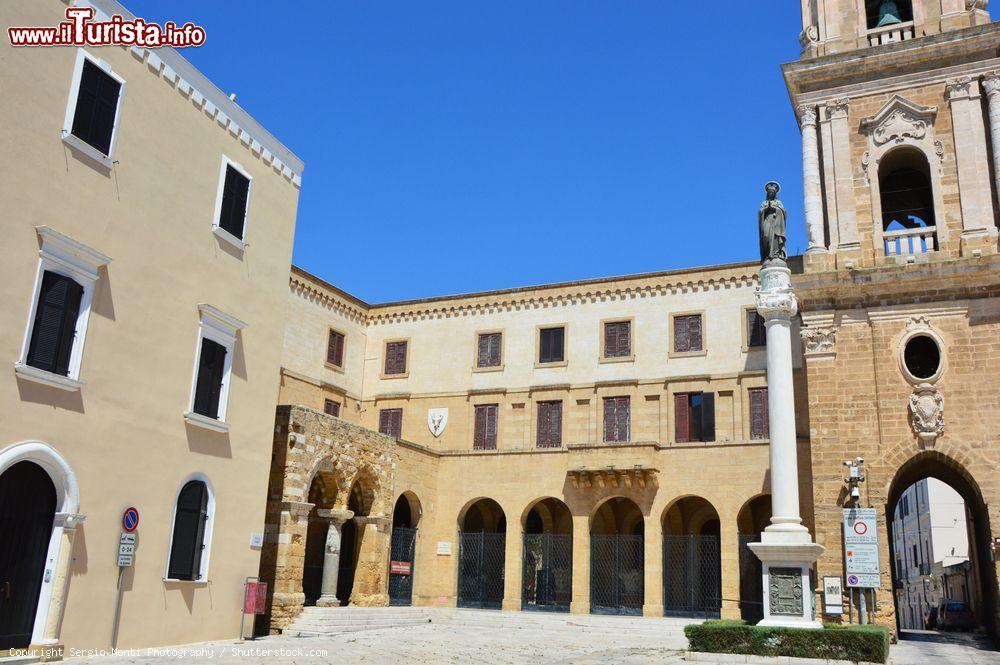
<point>955,615</point>
<point>932,619</point>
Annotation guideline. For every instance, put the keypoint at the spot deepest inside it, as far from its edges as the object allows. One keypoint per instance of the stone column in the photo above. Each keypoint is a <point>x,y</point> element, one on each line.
<point>991,85</point>
<point>810,179</point>
<point>512,566</point>
<point>580,603</point>
<point>371,577</point>
<point>331,556</point>
<point>973,167</point>
<point>653,575</point>
<point>786,549</point>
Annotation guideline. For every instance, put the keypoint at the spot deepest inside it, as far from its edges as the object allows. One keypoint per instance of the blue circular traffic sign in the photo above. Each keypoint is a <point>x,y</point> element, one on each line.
<point>130,519</point>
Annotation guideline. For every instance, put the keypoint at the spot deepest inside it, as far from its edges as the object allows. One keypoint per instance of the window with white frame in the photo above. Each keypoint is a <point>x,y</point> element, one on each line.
<point>191,533</point>
<point>93,112</point>
<point>212,368</point>
<point>232,202</point>
<point>60,310</point>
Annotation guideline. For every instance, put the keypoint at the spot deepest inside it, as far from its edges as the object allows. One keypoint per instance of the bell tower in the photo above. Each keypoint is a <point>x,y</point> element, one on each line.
<point>898,102</point>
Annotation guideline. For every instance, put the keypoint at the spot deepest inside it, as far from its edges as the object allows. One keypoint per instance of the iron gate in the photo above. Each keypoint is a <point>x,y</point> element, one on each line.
<point>751,581</point>
<point>547,581</point>
<point>616,574</point>
<point>401,566</point>
<point>692,576</point>
<point>480,569</point>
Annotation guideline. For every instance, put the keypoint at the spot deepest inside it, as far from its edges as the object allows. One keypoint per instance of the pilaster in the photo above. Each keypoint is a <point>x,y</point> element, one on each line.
<point>580,603</point>
<point>848,244</point>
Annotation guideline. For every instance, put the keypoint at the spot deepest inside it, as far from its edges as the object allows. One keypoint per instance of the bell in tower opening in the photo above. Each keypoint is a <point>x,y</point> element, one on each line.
<point>888,14</point>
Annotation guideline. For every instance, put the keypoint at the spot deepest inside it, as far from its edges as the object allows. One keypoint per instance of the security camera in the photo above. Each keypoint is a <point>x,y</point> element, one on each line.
<point>861,460</point>
<point>855,492</point>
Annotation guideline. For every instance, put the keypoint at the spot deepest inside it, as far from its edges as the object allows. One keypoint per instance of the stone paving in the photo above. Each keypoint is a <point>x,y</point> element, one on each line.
<point>434,644</point>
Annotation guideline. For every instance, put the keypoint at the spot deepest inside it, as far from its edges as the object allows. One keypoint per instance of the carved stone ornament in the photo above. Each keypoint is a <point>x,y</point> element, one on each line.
<point>437,420</point>
<point>819,341</point>
<point>958,88</point>
<point>809,35</point>
<point>991,83</point>
<point>927,412</point>
<point>785,591</point>
<point>899,120</point>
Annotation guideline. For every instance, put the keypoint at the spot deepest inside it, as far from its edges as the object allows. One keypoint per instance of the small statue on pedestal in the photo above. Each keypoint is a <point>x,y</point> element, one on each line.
<point>771,218</point>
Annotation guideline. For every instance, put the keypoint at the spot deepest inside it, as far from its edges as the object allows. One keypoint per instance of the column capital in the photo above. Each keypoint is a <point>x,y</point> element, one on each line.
<point>807,115</point>
<point>837,108</point>
<point>297,508</point>
<point>775,298</point>
<point>959,88</point>
<point>335,516</point>
<point>991,83</point>
<point>69,521</point>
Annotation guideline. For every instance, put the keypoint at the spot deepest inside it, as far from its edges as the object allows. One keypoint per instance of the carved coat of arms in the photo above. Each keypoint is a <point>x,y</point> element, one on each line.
<point>927,412</point>
<point>437,420</point>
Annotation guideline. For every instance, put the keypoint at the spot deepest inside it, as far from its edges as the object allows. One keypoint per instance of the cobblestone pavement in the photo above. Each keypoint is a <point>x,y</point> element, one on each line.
<point>449,644</point>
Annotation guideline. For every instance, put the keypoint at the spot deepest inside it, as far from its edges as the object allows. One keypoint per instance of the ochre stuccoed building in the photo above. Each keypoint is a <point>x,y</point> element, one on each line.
<point>147,233</point>
<point>599,446</point>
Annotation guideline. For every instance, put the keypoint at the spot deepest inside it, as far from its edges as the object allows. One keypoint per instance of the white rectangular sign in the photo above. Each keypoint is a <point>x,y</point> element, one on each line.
<point>127,537</point>
<point>125,548</point>
<point>861,558</point>
<point>833,595</point>
<point>444,548</point>
<point>125,560</point>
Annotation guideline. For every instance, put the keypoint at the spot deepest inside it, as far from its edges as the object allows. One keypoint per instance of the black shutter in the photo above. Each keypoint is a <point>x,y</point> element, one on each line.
<point>208,388</point>
<point>708,416</point>
<point>54,329</point>
<point>235,191</point>
<point>189,532</point>
<point>756,331</point>
<point>551,345</point>
<point>96,106</point>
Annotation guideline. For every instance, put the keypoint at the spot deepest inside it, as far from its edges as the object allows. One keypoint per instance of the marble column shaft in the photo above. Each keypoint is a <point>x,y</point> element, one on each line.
<point>811,179</point>
<point>991,85</point>
<point>331,555</point>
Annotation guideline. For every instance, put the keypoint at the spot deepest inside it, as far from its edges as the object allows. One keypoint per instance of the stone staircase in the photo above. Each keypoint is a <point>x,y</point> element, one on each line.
<point>323,621</point>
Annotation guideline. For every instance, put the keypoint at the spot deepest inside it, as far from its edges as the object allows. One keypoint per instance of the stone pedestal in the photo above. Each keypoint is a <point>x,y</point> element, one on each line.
<point>786,549</point>
<point>331,556</point>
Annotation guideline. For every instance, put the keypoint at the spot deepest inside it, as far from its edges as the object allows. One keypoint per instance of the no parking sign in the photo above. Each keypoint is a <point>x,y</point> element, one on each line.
<point>130,519</point>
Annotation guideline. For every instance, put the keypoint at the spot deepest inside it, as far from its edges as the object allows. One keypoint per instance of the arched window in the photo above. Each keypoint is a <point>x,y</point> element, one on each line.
<point>882,13</point>
<point>192,532</point>
<point>908,219</point>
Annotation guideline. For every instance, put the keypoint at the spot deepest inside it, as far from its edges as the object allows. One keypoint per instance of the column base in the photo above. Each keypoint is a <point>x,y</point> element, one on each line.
<point>579,607</point>
<point>327,601</point>
<point>979,242</point>
<point>652,610</point>
<point>787,558</point>
<point>510,605</point>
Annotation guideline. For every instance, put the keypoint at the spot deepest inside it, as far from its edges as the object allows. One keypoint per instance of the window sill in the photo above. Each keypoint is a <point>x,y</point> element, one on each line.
<point>335,368</point>
<point>229,238</point>
<point>394,376</point>
<point>213,424</point>
<point>558,363</point>
<point>81,146</point>
<point>688,354</point>
<point>751,349</point>
<point>51,379</point>
<point>170,580</point>
<point>617,359</point>
<point>498,368</point>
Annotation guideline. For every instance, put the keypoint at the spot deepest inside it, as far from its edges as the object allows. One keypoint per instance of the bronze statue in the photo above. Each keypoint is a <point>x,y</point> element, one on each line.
<point>771,219</point>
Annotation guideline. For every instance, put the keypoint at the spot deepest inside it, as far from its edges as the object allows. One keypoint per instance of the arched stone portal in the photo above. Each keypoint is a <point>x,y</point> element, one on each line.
<point>327,512</point>
<point>980,583</point>
<point>547,556</point>
<point>402,557</point>
<point>482,542</point>
<point>692,559</point>
<point>617,563</point>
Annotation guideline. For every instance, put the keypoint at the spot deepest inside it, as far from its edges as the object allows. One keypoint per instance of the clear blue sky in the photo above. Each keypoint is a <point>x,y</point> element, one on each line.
<point>463,146</point>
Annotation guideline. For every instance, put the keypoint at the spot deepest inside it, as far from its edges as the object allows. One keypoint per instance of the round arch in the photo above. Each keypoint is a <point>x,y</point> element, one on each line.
<point>690,514</point>
<point>755,514</point>
<point>482,514</point>
<point>54,464</point>
<point>547,515</point>
<point>617,515</point>
<point>406,511</point>
<point>482,538</point>
<point>936,464</point>
<point>692,558</point>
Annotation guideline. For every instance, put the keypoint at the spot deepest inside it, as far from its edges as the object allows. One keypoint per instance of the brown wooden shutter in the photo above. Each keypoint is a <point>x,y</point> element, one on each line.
<point>694,333</point>
<point>682,418</point>
<point>390,422</point>
<point>491,427</point>
<point>681,343</point>
<point>617,339</point>
<point>758,414</point>
<point>485,434</point>
<point>549,425</point>
<point>488,353</point>
<point>395,358</point>
<point>383,422</point>
<point>624,423</point>
<point>609,419</point>
<point>479,433</point>
<point>335,349</point>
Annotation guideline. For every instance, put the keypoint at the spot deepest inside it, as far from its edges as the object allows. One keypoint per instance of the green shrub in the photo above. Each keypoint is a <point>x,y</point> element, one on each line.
<point>856,643</point>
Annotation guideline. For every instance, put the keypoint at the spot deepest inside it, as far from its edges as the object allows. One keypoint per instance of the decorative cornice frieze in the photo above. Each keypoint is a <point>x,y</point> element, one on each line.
<point>819,342</point>
<point>309,291</point>
<point>960,87</point>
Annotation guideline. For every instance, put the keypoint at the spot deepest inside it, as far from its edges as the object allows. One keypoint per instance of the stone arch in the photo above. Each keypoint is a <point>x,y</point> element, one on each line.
<point>547,515</point>
<point>690,514</point>
<point>951,471</point>
<point>482,514</point>
<point>407,510</point>
<point>692,558</point>
<point>617,514</point>
<point>755,514</point>
<point>752,519</point>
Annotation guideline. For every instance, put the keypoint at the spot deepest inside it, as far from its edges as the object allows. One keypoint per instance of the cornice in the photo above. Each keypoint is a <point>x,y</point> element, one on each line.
<point>175,70</point>
<point>310,290</point>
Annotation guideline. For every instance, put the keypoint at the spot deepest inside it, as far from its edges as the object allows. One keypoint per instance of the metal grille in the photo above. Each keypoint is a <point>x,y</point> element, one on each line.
<point>547,582</point>
<point>616,574</point>
<point>481,569</point>
<point>401,585</point>
<point>692,576</point>
<point>751,581</point>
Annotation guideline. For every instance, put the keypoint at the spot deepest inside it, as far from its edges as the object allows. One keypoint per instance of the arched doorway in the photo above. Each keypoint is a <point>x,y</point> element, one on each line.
<point>405,518</point>
<point>547,579</point>
<point>617,563</point>
<point>940,548</point>
<point>753,518</point>
<point>692,561</point>
<point>27,513</point>
<point>482,542</point>
<point>907,202</point>
<point>359,502</point>
<point>322,494</point>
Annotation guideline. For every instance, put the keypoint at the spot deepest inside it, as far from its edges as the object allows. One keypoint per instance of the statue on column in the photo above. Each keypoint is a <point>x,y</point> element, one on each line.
<point>771,218</point>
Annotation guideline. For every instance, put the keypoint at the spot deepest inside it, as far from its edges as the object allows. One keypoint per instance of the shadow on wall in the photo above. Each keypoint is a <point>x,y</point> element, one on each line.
<point>29,391</point>
<point>205,442</point>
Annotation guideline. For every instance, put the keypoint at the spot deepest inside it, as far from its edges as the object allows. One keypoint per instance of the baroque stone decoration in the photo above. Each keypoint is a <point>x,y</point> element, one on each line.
<point>785,591</point>
<point>899,120</point>
<point>327,472</point>
<point>959,87</point>
<point>927,413</point>
<point>637,477</point>
<point>819,341</point>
